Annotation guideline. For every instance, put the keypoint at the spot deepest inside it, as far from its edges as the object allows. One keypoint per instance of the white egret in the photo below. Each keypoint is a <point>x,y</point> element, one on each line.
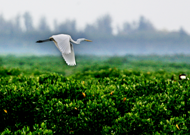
<point>183,77</point>
<point>63,43</point>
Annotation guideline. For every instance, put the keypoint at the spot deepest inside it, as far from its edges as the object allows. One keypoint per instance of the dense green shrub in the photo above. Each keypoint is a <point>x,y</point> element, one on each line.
<point>26,130</point>
<point>109,101</point>
<point>7,72</point>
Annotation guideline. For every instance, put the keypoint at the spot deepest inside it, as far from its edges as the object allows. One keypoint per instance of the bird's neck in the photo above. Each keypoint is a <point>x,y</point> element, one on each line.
<point>77,42</point>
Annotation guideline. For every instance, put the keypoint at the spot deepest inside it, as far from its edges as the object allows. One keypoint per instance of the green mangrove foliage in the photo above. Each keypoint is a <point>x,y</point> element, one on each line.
<point>104,101</point>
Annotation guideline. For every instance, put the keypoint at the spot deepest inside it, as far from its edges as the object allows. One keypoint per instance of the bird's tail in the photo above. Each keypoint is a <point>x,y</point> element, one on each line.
<point>41,41</point>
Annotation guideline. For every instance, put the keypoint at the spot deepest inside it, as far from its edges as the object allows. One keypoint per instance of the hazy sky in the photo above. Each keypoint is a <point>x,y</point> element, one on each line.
<point>164,14</point>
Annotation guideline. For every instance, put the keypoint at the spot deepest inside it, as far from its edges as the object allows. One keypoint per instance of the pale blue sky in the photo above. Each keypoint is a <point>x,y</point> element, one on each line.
<point>164,14</point>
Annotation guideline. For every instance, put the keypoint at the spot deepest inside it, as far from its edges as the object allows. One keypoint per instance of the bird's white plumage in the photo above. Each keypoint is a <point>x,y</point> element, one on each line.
<point>62,41</point>
<point>183,77</point>
<point>70,57</point>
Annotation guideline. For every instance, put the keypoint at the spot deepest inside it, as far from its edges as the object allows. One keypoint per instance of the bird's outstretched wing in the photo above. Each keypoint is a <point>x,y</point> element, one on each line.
<point>62,43</point>
<point>70,57</point>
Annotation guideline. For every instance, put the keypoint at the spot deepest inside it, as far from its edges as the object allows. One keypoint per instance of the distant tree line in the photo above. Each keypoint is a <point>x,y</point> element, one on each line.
<point>100,30</point>
<point>19,32</point>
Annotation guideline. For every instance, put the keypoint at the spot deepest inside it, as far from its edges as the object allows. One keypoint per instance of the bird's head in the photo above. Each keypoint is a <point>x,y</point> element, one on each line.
<point>82,39</point>
<point>88,40</point>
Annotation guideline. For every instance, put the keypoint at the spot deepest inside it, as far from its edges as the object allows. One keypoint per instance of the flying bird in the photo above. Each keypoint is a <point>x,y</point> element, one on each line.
<point>64,44</point>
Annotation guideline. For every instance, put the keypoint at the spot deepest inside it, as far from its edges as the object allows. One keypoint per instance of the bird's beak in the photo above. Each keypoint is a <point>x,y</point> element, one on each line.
<point>88,40</point>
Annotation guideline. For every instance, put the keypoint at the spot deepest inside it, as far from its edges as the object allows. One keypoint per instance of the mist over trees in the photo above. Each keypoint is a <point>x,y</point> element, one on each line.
<point>139,36</point>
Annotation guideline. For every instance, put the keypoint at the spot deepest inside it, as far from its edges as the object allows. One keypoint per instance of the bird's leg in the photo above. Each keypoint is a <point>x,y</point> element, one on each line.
<point>41,41</point>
